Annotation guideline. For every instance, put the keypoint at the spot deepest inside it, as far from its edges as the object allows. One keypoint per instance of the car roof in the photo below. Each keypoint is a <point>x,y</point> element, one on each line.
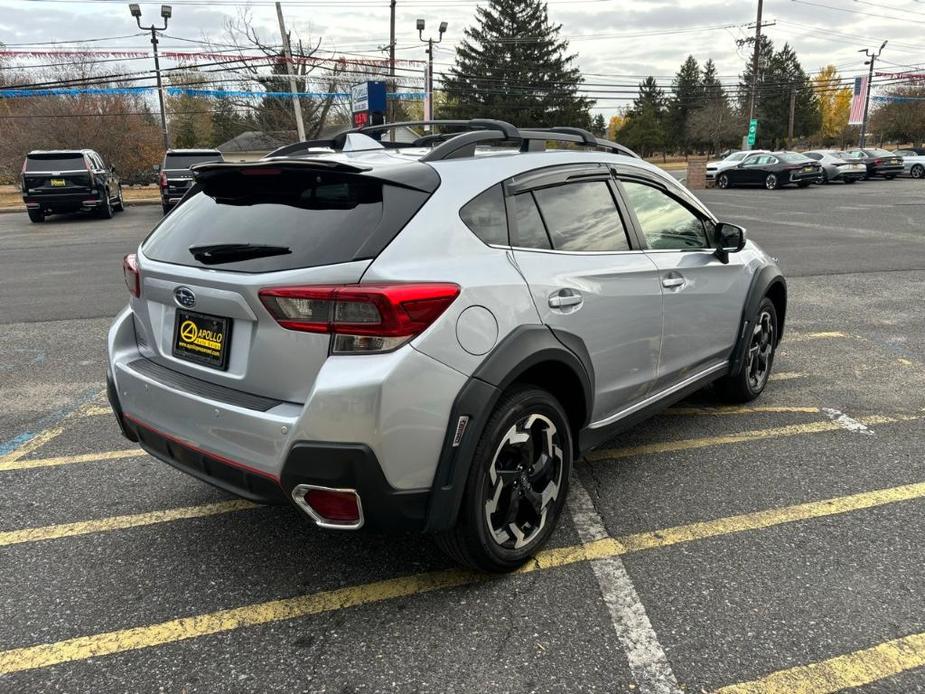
<point>205,150</point>
<point>70,152</point>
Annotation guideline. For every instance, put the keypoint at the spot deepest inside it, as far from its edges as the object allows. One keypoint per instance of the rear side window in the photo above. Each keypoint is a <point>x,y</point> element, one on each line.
<point>486,216</point>
<point>185,161</point>
<point>60,162</point>
<point>530,231</point>
<point>318,218</point>
<point>814,155</point>
<point>582,217</point>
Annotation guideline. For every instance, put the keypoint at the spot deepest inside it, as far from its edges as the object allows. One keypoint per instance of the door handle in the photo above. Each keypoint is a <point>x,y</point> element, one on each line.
<point>565,299</point>
<point>673,282</point>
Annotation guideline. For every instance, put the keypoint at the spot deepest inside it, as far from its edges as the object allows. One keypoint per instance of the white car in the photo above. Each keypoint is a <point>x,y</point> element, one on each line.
<point>734,159</point>
<point>913,162</point>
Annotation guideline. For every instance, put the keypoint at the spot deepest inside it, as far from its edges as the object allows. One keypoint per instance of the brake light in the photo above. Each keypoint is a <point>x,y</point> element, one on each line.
<point>163,180</point>
<point>362,318</point>
<point>878,162</point>
<point>131,274</point>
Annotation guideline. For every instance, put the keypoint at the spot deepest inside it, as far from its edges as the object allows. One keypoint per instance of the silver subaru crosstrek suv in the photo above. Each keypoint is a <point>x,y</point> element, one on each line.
<point>427,336</point>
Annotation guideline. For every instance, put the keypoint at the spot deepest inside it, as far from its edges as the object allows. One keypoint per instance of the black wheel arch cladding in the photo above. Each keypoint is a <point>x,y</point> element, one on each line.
<point>526,348</point>
<point>767,282</point>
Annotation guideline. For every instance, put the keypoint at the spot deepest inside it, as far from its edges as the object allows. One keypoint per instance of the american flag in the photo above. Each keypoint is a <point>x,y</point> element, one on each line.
<point>861,85</point>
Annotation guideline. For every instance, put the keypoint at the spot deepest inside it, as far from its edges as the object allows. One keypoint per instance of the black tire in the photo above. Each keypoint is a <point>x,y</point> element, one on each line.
<point>803,184</point>
<point>106,207</point>
<point>918,171</point>
<point>752,379</point>
<point>475,541</point>
<point>119,205</point>
<point>723,182</point>
<point>825,177</point>
<point>849,181</point>
<point>890,177</point>
<point>771,182</point>
<point>165,207</point>
<point>36,216</point>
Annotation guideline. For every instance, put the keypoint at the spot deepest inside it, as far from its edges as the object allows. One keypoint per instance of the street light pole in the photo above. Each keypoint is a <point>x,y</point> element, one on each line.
<point>166,13</point>
<point>870,81</point>
<point>429,87</point>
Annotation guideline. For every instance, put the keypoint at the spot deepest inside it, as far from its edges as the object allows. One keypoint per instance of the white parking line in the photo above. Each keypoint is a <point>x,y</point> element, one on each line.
<point>647,659</point>
<point>846,422</point>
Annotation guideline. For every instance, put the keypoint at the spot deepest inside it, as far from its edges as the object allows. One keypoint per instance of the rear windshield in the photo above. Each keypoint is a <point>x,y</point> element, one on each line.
<point>185,161</point>
<point>320,218</point>
<point>879,153</point>
<point>55,162</point>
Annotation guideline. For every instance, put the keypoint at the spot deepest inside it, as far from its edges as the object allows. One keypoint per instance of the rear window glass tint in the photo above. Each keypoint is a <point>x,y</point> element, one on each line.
<point>530,231</point>
<point>486,216</point>
<point>582,217</point>
<point>185,161</point>
<point>323,218</point>
<point>69,162</point>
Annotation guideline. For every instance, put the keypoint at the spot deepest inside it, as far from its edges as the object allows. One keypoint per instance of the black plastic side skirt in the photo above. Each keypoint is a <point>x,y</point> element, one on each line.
<point>589,439</point>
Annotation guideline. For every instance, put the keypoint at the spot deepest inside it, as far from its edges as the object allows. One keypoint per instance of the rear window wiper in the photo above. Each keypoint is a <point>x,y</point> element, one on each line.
<point>218,253</point>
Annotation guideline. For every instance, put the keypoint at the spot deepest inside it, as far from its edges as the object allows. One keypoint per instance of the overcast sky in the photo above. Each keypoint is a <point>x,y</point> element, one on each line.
<point>617,41</point>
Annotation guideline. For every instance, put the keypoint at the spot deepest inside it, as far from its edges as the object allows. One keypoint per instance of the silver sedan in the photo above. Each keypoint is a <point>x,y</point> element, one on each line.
<point>913,162</point>
<point>834,168</point>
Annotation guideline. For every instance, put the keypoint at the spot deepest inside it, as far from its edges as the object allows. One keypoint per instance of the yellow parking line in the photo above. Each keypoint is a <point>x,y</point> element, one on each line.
<point>32,444</point>
<point>69,459</point>
<point>171,631</point>
<point>787,376</point>
<point>716,411</point>
<point>104,525</point>
<point>95,411</point>
<point>741,437</point>
<point>841,672</point>
<point>806,337</point>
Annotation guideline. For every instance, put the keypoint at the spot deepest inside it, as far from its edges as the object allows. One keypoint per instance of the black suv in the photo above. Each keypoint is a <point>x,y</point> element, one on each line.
<point>176,177</point>
<point>69,180</point>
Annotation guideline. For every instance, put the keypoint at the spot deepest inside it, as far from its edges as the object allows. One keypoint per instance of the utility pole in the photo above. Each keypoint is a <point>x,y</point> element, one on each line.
<point>872,58</point>
<point>392,41</point>
<point>793,110</point>
<point>287,53</point>
<point>166,13</point>
<point>429,87</point>
<point>756,67</point>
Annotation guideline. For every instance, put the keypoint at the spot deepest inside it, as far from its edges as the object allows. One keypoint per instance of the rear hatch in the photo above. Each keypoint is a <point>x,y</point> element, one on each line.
<point>253,227</point>
<point>55,174</point>
<point>177,176</point>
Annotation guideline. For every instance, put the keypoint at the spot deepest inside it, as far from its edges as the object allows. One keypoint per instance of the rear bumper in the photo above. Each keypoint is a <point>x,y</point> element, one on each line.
<point>375,425</point>
<point>886,170</point>
<point>62,201</point>
<point>798,176</point>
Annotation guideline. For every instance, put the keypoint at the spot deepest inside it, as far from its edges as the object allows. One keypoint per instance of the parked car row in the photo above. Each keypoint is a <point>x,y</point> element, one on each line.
<point>73,180</point>
<point>775,169</point>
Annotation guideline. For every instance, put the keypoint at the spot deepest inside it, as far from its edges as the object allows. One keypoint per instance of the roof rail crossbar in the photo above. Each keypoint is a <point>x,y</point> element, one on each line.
<point>587,137</point>
<point>463,145</point>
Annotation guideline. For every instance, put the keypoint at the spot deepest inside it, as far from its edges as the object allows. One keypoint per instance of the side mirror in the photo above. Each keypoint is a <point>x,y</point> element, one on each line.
<point>728,238</point>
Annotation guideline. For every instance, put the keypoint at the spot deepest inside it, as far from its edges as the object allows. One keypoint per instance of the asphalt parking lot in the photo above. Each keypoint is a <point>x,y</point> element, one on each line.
<point>778,547</point>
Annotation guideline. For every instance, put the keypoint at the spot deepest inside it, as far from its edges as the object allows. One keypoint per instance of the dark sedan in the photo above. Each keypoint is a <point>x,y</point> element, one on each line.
<point>879,162</point>
<point>771,170</point>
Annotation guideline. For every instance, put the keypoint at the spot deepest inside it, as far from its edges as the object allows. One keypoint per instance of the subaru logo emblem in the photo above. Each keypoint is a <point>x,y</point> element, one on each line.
<point>184,297</point>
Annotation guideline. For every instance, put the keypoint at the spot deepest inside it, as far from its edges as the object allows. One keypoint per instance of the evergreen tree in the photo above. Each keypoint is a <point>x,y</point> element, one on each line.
<point>712,88</point>
<point>644,130</point>
<point>512,65</point>
<point>599,125</point>
<point>227,122</point>
<point>688,96</point>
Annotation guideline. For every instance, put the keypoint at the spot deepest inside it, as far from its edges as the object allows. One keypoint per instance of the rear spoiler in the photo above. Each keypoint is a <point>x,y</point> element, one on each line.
<point>406,174</point>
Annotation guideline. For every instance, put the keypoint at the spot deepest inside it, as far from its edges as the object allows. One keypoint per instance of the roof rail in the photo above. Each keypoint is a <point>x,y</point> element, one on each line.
<point>462,145</point>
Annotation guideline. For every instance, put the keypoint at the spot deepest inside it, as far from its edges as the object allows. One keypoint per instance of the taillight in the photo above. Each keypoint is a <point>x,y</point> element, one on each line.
<point>878,162</point>
<point>131,274</point>
<point>163,180</point>
<point>362,318</point>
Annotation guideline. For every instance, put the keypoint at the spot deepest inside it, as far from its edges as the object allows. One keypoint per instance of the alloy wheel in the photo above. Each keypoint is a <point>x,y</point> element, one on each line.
<point>723,181</point>
<point>525,478</point>
<point>761,352</point>
<point>770,182</point>
<point>918,171</point>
